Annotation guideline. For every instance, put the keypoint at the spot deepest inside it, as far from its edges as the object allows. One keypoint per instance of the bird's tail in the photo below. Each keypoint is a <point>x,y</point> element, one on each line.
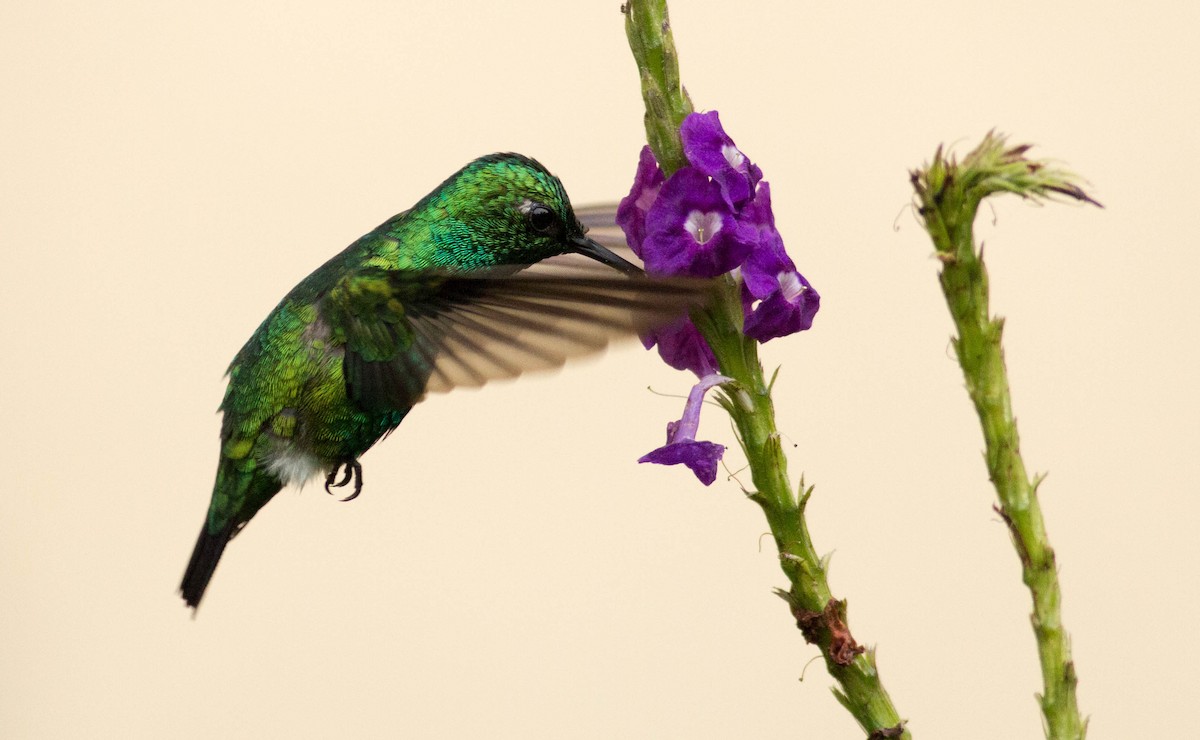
<point>240,491</point>
<point>200,568</point>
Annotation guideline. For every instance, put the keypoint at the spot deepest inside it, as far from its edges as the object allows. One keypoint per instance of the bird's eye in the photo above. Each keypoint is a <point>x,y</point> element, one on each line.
<point>542,219</point>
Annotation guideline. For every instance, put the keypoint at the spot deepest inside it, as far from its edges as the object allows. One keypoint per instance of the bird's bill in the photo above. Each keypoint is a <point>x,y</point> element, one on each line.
<point>594,250</point>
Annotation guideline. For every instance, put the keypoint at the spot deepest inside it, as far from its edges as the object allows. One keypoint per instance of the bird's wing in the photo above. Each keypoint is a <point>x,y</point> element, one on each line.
<point>406,333</point>
<point>600,222</point>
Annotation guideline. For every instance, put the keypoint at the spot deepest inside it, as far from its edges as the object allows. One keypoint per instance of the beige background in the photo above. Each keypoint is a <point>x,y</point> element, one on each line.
<point>167,173</point>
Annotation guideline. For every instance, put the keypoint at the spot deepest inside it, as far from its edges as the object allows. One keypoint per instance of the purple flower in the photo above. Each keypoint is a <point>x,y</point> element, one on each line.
<point>787,303</point>
<point>709,218</point>
<point>710,150</point>
<point>682,347</point>
<point>690,230</point>
<point>682,446</point>
<point>631,213</point>
<point>758,212</point>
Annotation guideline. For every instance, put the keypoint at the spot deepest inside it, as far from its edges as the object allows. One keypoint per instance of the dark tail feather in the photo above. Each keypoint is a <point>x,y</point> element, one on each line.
<point>204,561</point>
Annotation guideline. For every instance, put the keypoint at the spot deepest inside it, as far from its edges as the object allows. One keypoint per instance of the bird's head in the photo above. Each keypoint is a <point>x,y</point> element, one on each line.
<point>505,209</point>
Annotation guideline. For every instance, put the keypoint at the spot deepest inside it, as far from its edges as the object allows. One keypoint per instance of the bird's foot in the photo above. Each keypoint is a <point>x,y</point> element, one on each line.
<point>352,472</point>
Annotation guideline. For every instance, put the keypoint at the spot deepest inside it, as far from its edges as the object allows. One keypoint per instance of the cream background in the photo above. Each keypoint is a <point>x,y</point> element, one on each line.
<point>168,172</point>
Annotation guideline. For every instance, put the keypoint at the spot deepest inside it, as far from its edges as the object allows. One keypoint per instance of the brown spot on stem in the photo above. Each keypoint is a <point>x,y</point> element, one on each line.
<point>831,622</point>
<point>842,647</point>
<point>807,621</point>
<point>884,733</point>
<point>1018,541</point>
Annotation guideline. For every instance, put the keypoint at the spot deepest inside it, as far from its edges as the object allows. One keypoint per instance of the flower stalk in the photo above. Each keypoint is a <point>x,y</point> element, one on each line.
<point>948,196</point>
<point>723,326</point>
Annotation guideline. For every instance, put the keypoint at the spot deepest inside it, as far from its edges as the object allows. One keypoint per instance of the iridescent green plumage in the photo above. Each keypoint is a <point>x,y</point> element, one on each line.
<point>436,297</point>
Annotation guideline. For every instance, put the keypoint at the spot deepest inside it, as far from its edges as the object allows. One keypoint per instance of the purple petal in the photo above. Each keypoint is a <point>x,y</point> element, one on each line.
<point>631,213</point>
<point>690,230</point>
<point>710,150</point>
<point>789,309</point>
<point>758,211</point>
<point>700,457</point>
<point>683,347</point>
<point>787,302</point>
<point>682,446</point>
<point>690,421</point>
<point>762,268</point>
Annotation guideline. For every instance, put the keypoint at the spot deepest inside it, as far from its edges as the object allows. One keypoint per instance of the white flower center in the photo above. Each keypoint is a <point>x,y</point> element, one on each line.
<point>790,285</point>
<point>702,226</point>
<point>733,156</point>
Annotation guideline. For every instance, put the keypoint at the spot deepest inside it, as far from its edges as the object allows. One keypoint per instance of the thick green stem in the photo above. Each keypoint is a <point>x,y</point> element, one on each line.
<point>820,617</point>
<point>949,196</point>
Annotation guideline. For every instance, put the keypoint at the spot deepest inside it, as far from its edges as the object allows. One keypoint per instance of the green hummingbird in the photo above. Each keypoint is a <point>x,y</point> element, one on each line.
<point>436,297</point>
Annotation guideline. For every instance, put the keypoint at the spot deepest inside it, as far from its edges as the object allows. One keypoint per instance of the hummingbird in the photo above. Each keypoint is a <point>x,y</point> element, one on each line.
<point>445,294</point>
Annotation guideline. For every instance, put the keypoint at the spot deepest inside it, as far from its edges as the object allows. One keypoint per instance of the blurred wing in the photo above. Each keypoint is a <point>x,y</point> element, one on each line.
<point>600,222</point>
<point>407,333</point>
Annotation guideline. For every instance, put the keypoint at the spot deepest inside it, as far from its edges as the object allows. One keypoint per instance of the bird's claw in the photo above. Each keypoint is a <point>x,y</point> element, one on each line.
<point>353,471</point>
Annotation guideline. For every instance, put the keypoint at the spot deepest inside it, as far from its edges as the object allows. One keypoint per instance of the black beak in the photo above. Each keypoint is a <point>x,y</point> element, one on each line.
<point>589,248</point>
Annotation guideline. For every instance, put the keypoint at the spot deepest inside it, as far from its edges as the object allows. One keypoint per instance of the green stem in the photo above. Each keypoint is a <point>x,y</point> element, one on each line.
<point>949,196</point>
<point>820,617</point>
<point>667,103</point>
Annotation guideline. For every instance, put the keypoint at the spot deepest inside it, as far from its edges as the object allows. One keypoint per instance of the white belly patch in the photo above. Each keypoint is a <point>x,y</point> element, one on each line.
<point>294,466</point>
